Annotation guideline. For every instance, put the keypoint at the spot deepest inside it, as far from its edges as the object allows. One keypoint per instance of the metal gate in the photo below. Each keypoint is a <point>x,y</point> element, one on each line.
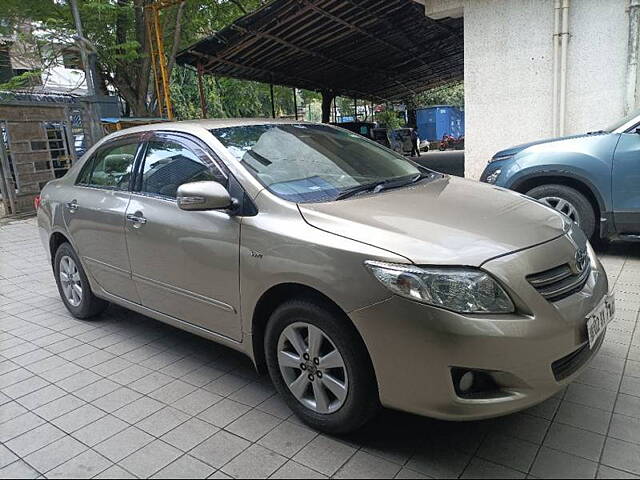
<point>36,146</point>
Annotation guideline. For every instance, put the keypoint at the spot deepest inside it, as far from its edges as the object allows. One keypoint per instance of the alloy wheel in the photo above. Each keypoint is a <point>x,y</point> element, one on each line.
<point>70,281</point>
<point>312,368</point>
<point>562,206</point>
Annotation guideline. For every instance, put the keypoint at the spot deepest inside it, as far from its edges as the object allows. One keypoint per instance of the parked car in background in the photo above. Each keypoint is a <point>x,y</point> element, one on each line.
<point>401,141</point>
<point>354,276</point>
<point>593,178</point>
<point>361,128</point>
<point>381,136</point>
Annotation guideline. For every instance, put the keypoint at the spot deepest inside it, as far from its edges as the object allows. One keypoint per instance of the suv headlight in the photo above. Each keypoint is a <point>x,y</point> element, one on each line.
<point>493,177</point>
<point>463,290</point>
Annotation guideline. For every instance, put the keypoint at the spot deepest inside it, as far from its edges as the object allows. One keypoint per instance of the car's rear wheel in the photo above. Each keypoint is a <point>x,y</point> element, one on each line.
<point>320,366</point>
<point>570,202</point>
<point>73,285</point>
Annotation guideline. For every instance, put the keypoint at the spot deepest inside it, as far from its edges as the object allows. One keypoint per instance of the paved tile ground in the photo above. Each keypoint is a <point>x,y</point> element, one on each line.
<point>127,396</point>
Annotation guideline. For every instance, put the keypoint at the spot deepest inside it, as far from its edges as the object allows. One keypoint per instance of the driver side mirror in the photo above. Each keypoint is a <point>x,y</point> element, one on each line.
<point>201,196</point>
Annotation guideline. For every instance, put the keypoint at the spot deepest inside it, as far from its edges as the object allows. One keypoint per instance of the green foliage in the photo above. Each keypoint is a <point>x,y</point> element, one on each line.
<point>452,94</point>
<point>22,81</point>
<point>114,27</point>
<point>389,119</point>
<point>226,97</point>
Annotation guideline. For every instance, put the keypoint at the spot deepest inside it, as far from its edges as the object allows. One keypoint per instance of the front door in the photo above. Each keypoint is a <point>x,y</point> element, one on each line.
<point>94,212</point>
<point>185,264</point>
<point>626,184</point>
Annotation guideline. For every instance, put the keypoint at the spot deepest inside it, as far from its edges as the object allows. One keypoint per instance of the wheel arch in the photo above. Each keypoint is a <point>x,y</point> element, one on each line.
<point>582,185</point>
<point>55,240</point>
<point>272,299</point>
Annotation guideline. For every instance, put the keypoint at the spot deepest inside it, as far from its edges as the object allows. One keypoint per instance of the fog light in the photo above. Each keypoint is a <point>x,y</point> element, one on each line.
<point>466,382</point>
<point>475,384</point>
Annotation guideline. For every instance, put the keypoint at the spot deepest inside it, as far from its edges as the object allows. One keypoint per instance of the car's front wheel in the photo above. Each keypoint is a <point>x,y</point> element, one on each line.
<point>320,366</point>
<point>570,202</point>
<point>73,285</point>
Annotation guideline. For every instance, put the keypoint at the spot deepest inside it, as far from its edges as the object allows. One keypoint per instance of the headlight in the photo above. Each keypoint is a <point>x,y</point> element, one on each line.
<point>493,178</point>
<point>463,290</point>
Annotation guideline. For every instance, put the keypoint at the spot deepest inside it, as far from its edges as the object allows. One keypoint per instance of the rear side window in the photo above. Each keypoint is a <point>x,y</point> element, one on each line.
<point>168,164</point>
<point>110,168</point>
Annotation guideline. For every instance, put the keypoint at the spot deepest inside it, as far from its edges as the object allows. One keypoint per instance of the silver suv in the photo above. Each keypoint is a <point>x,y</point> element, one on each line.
<point>357,278</point>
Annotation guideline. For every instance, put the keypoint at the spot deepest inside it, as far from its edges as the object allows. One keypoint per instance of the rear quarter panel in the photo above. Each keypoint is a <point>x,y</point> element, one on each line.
<point>50,218</point>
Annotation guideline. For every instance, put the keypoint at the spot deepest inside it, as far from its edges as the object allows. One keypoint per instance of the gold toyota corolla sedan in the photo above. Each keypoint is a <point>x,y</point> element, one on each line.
<point>357,278</point>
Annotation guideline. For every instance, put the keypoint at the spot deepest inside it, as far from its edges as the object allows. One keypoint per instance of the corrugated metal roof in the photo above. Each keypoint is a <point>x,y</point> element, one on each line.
<point>370,49</point>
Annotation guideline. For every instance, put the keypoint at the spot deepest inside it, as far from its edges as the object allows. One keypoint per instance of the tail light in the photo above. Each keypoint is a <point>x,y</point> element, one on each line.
<point>37,201</point>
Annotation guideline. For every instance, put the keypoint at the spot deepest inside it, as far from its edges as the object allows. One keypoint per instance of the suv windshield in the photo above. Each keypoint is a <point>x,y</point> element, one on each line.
<point>622,122</point>
<point>314,163</point>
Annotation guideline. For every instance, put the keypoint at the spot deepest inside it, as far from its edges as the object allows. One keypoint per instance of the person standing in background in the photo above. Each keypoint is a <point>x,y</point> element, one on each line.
<point>415,143</point>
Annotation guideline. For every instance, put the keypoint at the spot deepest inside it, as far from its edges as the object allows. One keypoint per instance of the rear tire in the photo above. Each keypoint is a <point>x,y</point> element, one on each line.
<point>73,285</point>
<point>570,202</point>
<point>336,414</point>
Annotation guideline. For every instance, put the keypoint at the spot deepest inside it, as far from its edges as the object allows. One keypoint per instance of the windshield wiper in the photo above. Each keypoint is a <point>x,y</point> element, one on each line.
<point>350,192</point>
<point>378,187</point>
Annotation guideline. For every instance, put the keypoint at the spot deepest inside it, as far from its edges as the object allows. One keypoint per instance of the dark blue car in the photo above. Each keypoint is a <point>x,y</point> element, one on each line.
<point>593,178</point>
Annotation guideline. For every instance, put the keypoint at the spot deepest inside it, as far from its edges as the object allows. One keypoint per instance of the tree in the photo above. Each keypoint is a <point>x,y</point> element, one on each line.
<point>117,31</point>
<point>389,119</point>
<point>451,94</point>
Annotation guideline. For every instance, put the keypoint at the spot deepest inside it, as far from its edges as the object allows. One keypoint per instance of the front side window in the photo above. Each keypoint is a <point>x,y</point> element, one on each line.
<point>110,168</point>
<point>168,164</point>
<point>312,163</point>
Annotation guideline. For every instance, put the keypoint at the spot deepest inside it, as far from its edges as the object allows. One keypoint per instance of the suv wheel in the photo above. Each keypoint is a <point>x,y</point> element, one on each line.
<point>320,366</point>
<point>73,285</point>
<point>570,202</point>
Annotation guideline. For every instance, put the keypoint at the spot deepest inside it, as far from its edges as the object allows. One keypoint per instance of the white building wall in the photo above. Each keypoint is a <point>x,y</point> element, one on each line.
<point>508,70</point>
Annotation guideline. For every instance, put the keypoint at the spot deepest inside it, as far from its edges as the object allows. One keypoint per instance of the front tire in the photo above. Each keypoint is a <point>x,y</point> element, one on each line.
<point>570,202</point>
<point>320,366</point>
<point>73,285</point>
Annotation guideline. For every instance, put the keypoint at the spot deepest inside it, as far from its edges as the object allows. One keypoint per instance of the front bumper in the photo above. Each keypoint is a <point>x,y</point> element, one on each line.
<point>414,346</point>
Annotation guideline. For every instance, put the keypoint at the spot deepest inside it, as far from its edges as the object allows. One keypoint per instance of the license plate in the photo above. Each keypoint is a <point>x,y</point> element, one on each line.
<point>598,320</point>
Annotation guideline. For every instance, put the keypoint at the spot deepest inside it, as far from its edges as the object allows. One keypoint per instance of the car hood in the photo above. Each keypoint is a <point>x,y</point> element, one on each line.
<point>447,221</point>
<point>519,148</point>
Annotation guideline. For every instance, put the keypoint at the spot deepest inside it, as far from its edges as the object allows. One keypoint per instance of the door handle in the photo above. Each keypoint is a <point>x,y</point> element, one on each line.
<point>73,206</point>
<point>137,220</point>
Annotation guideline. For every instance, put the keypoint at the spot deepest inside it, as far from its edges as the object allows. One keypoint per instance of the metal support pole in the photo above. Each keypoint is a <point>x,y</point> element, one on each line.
<point>355,109</point>
<point>6,180</point>
<point>162,61</point>
<point>273,102</point>
<point>335,109</point>
<point>82,44</point>
<point>295,102</point>
<point>203,101</point>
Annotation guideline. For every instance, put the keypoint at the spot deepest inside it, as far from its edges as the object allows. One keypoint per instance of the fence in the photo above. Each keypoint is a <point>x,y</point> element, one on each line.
<point>36,146</point>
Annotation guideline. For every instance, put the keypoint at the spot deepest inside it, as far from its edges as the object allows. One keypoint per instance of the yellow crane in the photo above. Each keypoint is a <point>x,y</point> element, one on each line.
<point>158,57</point>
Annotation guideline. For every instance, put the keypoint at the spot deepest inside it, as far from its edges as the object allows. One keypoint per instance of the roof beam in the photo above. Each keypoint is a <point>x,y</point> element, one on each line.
<point>212,59</point>
<point>353,67</point>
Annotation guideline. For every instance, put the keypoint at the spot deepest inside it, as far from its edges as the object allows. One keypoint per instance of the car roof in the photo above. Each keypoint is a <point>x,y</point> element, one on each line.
<point>206,124</point>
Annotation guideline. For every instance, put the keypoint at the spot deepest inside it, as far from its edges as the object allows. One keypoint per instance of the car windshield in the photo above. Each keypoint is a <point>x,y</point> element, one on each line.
<point>622,122</point>
<point>314,163</point>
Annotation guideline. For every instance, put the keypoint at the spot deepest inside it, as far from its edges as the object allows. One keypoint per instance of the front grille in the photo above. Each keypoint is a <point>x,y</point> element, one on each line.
<point>560,282</point>
<point>567,366</point>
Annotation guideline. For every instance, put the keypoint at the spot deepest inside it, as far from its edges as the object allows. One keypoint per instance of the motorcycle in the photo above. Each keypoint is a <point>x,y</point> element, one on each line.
<point>449,141</point>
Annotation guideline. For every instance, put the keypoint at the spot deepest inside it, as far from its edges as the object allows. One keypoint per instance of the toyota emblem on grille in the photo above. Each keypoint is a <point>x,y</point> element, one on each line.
<point>582,260</point>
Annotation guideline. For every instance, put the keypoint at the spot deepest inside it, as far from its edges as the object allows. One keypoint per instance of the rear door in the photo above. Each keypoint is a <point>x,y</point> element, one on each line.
<point>94,214</point>
<point>185,264</point>
<point>626,183</point>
